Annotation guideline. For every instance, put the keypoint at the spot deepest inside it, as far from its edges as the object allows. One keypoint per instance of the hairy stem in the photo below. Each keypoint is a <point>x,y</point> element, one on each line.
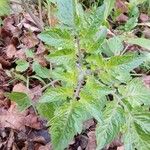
<point>81,74</point>
<point>35,19</point>
<point>49,13</point>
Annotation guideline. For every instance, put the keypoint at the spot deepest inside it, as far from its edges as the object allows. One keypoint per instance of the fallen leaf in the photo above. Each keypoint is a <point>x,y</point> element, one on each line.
<point>87,124</point>
<point>20,54</point>
<point>144,17</point>
<point>146,80</point>
<point>30,40</point>
<point>10,51</point>
<point>32,121</point>
<point>122,18</point>
<point>41,48</point>
<point>146,32</point>
<point>41,60</point>
<point>46,147</point>
<point>91,141</point>
<point>37,92</point>
<point>121,6</point>
<point>13,119</point>
<point>10,140</point>
<point>120,148</point>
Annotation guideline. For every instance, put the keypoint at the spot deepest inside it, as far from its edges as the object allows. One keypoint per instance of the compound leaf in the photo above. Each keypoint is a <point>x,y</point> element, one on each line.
<point>66,123</point>
<point>136,93</point>
<point>56,94</point>
<point>110,128</point>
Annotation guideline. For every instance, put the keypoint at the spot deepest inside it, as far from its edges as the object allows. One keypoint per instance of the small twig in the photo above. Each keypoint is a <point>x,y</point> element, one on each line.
<point>35,19</point>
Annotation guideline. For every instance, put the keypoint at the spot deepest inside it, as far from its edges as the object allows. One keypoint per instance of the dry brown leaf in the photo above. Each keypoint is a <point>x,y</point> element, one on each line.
<point>41,48</point>
<point>41,59</point>
<point>146,80</point>
<point>144,17</point>
<point>122,18</point>
<point>30,40</point>
<point>10,51</point>
<point>146,32</point>
<point>46,147</point>
<point>87,124</point>
<point>120,148</point>
<point>30,27</point>
<point>20,54</point>
<point>91,141</point>
<point>37,92</point>
<point>121,5</point>
<point>32,121</point>
<point>12,118</point>
<point>10,140</point>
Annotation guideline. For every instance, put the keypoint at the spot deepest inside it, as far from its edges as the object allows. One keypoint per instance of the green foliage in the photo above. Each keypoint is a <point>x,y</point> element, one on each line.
<point>145,43</point>
<point>110,128</point>
<point>21,99</point>
<point>22,65</point>
<point>94,79</point>
<point>66,123</point>
<point>4,7</point>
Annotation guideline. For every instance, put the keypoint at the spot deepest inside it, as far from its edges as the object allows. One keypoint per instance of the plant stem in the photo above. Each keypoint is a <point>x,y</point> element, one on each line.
<point>79,53</point>
<point>49,13</point>
<point>81,74</point>
<point>40,11</point>
<point>35,19</point>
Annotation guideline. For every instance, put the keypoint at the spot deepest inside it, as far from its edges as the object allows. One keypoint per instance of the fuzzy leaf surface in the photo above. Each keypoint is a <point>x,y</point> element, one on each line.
<point>136,93</point>
<point>66,123</point>
<point>110,128</point>
<point>22,100</point>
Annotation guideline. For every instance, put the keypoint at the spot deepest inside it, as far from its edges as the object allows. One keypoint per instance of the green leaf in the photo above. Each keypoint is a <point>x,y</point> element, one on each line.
<point>22,100</point>
<point>94,21</point>
<point>46,110</point>
<point>22,65</point>
<point>109,4</point>
<point>56,94</point>
<point>68,79</point>
<point>57,37</point>
<point>136,93</point>
<point>4,7</point>
<point>137,2</point>
<point>142,118</point>
<point>113,46</point>
<point>63,57</point>
<point>145,43</point>
<point>42,72</point>
<point>136,135</point>
<point>29,53</point>
<point>126,62</point>
<point>98,38</point>
<point>110,128</point>
<point>93,99</point>
<point>67,12</point>
<point>66,123</point>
